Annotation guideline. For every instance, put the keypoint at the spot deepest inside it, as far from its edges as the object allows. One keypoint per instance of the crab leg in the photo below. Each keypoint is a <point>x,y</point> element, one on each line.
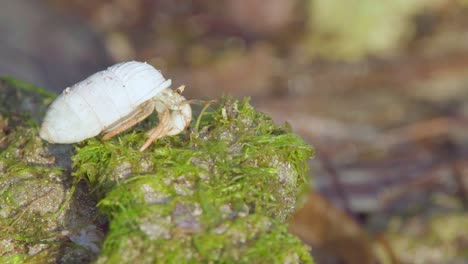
<point>174,113</point>
<point>160,131</point>
<point>134,118</point>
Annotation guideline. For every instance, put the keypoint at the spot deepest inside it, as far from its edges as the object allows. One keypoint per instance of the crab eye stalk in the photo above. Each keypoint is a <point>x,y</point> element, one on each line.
<point>181,89</point>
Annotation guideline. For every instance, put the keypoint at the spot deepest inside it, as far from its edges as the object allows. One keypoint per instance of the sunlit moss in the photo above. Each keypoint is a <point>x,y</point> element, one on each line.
<point>220,192</point>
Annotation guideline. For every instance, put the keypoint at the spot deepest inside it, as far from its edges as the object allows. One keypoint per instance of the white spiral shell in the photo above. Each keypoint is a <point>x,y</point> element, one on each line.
<point>89,107</point>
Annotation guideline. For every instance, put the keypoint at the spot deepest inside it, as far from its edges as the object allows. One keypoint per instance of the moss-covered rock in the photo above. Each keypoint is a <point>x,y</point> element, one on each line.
<point>221,192</point>
<point>40,216</point>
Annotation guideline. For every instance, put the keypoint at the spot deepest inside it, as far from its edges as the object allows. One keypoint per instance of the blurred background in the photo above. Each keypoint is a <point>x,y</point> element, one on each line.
<point>379,88</point>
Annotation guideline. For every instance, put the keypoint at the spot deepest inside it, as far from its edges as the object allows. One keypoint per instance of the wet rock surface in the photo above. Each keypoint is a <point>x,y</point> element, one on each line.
<point>44,216</point>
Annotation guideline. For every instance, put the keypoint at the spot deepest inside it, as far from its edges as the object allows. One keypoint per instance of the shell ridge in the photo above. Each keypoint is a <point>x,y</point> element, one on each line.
<point>130,70</point>
<point>101,122</point>
<point>116,107</point>
<point>142,81</point>
<point>166,84</point>
<point>109,94</point>
<point>68,103</point>
<point>125,69</point>
<point>124,88</point>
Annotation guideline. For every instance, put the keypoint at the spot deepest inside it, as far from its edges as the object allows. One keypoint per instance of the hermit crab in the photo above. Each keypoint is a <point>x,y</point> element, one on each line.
<point>113,100</point>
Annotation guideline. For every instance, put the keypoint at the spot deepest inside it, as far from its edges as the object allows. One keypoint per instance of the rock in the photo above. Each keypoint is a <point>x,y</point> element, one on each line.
<point>41,209</point>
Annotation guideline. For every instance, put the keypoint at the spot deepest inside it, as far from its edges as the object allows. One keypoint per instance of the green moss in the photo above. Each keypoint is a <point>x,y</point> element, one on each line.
<point>36,219</point>
<point>219,193</point>
<point>27,87</point>
<point>13,258</point>
<point>237,170</point>
<point>252,239</point>
<point>32,195</point>
<point>23,102</point>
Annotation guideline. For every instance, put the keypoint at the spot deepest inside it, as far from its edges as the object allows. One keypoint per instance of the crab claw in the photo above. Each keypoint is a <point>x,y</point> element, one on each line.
<point>174,113</point>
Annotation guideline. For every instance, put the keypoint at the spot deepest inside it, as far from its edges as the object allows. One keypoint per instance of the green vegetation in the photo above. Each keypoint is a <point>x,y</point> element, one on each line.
<point>36,218</point>
<point>221,192</point>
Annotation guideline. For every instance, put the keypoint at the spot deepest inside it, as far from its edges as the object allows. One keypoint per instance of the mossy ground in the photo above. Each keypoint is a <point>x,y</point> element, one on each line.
<point>220,192</point>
